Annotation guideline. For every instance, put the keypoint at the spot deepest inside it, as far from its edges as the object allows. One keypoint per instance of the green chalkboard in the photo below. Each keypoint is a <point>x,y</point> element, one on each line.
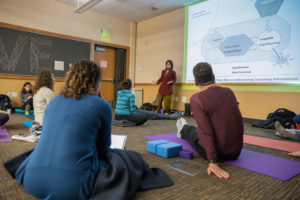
<point>25,53</point>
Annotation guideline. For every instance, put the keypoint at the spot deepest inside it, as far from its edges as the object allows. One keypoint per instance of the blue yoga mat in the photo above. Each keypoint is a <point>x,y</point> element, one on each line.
<point>18,110</point>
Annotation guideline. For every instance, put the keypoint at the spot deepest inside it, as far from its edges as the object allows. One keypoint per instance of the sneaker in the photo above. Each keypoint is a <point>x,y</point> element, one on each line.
<point>180,124</point>
<point>26,113</point>
<point>28,138</point>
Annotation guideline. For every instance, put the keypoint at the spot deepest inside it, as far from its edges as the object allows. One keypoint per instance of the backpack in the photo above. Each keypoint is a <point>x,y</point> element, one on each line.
<point>4,102</point>
<point>146,106</point>
<point>284,116</point>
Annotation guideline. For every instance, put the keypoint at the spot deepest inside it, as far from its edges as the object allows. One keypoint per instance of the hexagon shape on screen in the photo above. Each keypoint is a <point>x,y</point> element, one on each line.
<point>236,45</point>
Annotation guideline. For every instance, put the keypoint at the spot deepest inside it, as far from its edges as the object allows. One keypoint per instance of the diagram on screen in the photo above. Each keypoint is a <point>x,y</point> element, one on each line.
<point>264,38</point>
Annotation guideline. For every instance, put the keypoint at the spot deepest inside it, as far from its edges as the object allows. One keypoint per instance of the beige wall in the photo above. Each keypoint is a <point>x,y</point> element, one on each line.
<point>159,39</point>
<point>162,38</point>
<point>53,16</point>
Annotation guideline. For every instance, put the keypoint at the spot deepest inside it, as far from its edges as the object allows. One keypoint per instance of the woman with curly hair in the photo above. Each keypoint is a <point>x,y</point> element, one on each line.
<point>26,96</point>
<point>75,137</point>
<point>44,93</point>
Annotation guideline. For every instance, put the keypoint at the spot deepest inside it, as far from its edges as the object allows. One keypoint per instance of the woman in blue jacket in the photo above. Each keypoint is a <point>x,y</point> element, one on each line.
<point>127,110</point>
<point>75,137</point>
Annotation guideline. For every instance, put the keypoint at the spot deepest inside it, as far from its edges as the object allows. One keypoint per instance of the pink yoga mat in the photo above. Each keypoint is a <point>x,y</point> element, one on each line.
<point>4,136</point>
<point>272,143</point>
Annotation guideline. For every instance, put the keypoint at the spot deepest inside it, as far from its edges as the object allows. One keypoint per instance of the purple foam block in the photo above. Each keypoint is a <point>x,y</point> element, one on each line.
<point>4,136</point>
<point>186,155</point>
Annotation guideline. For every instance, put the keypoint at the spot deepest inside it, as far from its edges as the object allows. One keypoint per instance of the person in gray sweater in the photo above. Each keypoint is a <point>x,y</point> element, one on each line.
<point>26,97</point>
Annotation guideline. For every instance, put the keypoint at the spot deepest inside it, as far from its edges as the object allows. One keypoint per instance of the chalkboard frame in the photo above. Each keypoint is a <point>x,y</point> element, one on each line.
<point>45,34</point>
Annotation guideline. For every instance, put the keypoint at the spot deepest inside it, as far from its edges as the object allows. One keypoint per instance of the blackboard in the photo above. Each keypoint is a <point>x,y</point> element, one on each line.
<point>26,53</point>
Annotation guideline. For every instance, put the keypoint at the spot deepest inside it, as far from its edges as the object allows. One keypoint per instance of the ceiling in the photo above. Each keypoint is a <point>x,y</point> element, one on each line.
<point>132,10</point>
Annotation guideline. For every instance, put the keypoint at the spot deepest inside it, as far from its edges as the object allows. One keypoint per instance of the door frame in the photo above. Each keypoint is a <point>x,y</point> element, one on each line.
<point>94,43</point>
<point>93,54</point>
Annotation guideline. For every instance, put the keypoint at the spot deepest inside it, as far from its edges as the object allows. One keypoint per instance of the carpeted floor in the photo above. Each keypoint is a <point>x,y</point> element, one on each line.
<point>242,184</point>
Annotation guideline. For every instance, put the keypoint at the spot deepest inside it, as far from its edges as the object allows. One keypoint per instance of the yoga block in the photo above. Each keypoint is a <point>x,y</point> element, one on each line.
<point>186,155</point>
<point>168,150</point>
<point>152,145</point>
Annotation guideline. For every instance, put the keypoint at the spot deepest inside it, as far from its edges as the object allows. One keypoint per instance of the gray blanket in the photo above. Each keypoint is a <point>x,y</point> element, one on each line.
<point>127,173</point>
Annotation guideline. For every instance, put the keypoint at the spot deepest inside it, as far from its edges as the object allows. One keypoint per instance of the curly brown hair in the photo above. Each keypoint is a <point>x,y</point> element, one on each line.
<point>82,78</point>
<point>44,79</point>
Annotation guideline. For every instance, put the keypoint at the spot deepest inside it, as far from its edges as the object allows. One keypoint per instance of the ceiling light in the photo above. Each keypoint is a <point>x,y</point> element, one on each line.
<point>87,6</point>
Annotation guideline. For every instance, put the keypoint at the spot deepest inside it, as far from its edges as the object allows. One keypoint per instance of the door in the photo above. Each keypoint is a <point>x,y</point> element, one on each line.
<point>105,57</point>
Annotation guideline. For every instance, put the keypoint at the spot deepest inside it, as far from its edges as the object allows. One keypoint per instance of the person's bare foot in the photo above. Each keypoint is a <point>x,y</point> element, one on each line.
<point>296,154</point>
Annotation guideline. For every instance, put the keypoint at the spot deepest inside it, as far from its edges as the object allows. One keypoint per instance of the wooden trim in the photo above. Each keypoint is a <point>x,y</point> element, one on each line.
<point>96,42</point>
<point>26,77</point>
<point>150,84</point>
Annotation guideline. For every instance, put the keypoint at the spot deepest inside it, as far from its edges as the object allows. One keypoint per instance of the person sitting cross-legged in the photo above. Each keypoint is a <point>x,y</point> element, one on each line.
<point>219,136</point>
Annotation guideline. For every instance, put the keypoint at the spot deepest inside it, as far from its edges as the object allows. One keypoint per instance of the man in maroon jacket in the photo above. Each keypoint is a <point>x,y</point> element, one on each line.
<point>219,136</point>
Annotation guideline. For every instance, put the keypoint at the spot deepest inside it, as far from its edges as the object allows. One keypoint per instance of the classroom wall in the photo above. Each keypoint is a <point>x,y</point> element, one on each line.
<point>53,16</point>
<point>162,38</point>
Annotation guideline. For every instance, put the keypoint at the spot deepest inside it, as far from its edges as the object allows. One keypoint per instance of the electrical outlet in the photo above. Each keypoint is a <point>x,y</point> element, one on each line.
<point>175,98</point>
<point>14,94</point>
<point>9,94</point>
<point>183,99</point>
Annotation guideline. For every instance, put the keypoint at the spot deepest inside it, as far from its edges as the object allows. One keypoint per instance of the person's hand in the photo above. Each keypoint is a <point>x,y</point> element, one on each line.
<point>296,154</point>
<point>170,82</point>
<point>214,168</point>
<point>154,82</point>
<point>29,97</point>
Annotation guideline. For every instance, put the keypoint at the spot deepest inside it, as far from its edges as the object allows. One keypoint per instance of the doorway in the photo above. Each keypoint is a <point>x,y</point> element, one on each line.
<point>113,65</point>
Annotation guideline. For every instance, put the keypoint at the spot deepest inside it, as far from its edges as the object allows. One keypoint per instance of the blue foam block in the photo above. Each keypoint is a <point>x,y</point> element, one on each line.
<point>18,110</point>
<point>28,123</point>
<point>168,150</point>
<point>152,145</point>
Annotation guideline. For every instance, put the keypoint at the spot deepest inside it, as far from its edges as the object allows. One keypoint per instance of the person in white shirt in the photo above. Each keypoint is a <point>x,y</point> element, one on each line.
<point>44,93</point>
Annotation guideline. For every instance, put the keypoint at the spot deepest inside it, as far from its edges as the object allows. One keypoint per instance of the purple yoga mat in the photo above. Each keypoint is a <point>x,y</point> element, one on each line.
<point>4,136</point>
<point>279,168</point>
<point>172,137</point>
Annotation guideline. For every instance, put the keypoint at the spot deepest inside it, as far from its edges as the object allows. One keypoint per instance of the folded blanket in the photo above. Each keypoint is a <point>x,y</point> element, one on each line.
<point>126,173</point>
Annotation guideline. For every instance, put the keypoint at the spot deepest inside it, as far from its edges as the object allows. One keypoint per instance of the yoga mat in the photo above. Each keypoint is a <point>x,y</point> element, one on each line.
<point>172,137</point>
<point>30,116</point>
<point>4,136</point>
<point>248,139</point>
<point>28,123</point>
<point>18,110</point>
<point>272,143</point>
<point>279,168</point>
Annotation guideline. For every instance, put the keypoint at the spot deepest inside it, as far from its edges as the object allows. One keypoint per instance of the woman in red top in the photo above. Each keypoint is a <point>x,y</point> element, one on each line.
<point>168,77</point>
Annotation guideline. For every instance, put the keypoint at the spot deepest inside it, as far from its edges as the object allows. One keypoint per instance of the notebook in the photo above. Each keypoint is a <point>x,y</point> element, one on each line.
<point>118,141</point>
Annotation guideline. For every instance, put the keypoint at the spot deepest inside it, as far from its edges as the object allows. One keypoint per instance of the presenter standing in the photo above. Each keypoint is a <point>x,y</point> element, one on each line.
<point>167,79</point>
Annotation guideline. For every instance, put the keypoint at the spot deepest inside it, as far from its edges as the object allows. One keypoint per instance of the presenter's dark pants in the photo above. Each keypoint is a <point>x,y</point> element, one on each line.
<point>190,134</point>
<point>167,103</point>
